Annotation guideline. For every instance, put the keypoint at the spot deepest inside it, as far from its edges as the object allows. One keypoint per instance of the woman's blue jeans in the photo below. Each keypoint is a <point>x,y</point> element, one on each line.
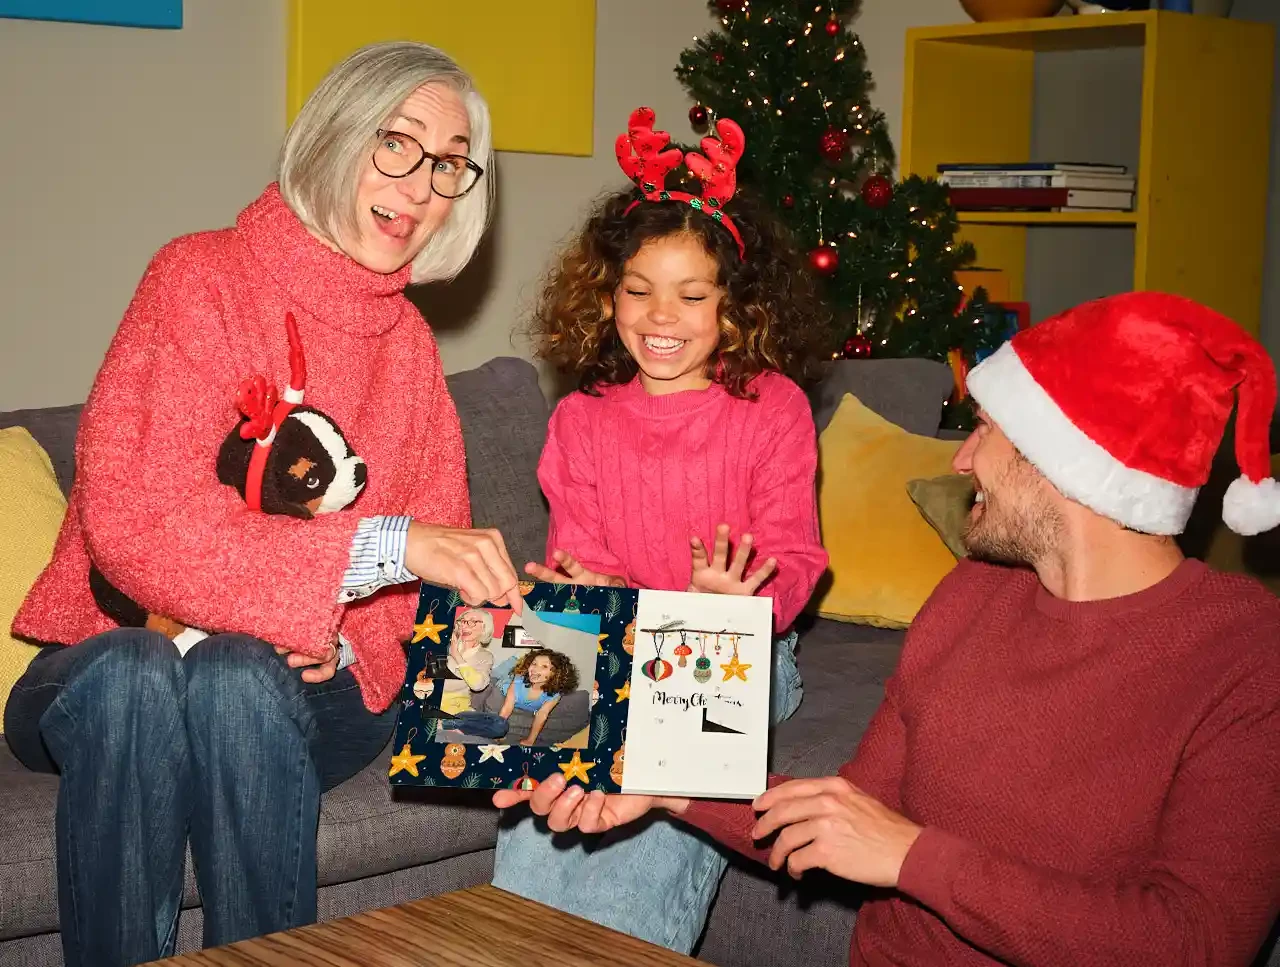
<point>654,880</point>
<point>227,747</point>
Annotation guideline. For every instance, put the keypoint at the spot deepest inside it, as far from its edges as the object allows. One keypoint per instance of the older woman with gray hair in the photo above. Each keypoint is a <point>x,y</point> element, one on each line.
<point>229,745</point>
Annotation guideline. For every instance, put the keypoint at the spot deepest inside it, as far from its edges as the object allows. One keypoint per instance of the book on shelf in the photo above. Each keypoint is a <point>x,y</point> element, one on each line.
<point>1050,179</point>
<point>1083,167</point>
<point>1038,199</point>
<point>622,690</point>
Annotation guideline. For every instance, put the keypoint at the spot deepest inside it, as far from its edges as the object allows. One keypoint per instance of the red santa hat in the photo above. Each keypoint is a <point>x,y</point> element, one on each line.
<point>1121,403</point>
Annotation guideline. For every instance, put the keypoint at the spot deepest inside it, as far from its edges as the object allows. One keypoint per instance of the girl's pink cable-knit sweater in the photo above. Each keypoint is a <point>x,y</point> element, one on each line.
<point>147,504</point>
<point>631,477</point>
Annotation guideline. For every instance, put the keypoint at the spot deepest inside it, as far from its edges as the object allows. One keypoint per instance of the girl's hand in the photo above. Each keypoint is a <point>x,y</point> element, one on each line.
<point>314,670</point>
<point>574,808</point>
<point>574,572</point>
<point>719,575</point>
<point>475,562</point>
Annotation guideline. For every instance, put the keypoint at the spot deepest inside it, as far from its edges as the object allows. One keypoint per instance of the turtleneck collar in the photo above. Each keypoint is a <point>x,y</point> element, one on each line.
<point>334,288</point>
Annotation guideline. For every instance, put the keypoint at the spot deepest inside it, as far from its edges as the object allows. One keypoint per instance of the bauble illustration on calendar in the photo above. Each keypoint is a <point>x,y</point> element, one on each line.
<point>622,690</point>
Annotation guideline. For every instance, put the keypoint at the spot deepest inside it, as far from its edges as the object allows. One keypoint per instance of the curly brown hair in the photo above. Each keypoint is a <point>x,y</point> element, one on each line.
<point>564,677</point>
<point>771,317</point>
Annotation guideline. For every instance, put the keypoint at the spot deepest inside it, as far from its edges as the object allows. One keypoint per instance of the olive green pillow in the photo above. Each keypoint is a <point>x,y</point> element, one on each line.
<point>945,502</point>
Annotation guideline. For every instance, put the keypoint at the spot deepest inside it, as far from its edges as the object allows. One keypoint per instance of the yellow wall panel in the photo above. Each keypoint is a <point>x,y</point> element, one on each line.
<point>533,62</point>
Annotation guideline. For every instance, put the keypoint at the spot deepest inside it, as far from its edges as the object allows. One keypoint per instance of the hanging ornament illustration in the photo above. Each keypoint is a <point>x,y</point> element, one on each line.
<point>717,643</point>
<point>423,686</point>
<point>526,783</point>
<point>657,668</point>
<point>454,762</point>
<point>427,628</point>
<point>629,636</point>
<point>571,606</point>
<point>735,668</point>
<point>406,761</point>
<point>619,757</point>
<point>702,664</point>
<point>683,651</point>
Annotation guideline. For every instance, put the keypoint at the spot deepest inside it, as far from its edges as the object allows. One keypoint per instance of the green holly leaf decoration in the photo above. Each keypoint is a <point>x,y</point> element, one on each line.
<point>601,730</point>
<point>614,606</point>
<point>615,664</point>
<point>471,781</point>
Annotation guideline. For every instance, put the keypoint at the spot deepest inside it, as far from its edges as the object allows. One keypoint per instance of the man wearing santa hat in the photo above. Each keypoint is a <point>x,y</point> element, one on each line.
<point>1077,760</point>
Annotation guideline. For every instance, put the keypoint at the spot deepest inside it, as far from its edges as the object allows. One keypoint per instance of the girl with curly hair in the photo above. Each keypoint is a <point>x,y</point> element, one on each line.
<point>686,320</point>
<point>538,682</point>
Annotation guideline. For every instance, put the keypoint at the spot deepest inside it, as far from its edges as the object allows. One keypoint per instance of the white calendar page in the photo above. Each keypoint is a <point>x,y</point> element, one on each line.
<point>698,725</point>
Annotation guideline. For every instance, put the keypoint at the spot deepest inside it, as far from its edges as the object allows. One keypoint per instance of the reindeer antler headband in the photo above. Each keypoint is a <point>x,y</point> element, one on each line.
<point>265,411</point>
<point>644,157</point>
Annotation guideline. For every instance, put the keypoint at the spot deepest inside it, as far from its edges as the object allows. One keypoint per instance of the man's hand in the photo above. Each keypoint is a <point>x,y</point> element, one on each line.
<point>833,825</point>
<point>575,808</point>
<point>573,572</point>
<point>718,575</point>
<point>314,670</point>
<point>475,562</point>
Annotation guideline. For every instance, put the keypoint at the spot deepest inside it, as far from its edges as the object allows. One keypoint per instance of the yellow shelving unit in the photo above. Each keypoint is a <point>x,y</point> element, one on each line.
<point>1203,164</point>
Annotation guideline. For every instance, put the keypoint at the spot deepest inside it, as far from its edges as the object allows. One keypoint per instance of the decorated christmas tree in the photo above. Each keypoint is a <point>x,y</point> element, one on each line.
<point>794,76</point>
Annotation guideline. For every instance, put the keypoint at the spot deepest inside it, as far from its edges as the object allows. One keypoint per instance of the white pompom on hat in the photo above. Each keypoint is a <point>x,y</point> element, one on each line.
<point>1122,402</point>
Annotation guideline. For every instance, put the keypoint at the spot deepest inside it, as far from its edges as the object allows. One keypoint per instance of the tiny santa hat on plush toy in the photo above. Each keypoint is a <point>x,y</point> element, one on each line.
<point>1122,402</point>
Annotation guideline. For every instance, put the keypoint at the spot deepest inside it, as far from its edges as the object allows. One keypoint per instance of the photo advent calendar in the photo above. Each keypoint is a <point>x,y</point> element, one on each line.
<point>656,692</point>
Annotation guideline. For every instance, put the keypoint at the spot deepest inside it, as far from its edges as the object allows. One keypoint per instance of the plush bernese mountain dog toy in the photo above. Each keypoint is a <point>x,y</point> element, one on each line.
<point>282,458</point>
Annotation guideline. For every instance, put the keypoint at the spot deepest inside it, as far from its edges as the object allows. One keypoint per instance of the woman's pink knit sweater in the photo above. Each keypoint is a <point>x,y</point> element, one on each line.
<point>147,504</point>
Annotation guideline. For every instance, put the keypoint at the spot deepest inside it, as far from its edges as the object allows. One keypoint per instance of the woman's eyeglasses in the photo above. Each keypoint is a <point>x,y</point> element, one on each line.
<point>400,155</point>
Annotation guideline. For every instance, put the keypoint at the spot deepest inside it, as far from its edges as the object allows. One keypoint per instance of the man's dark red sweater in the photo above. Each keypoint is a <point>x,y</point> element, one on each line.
<point>1098,782</point>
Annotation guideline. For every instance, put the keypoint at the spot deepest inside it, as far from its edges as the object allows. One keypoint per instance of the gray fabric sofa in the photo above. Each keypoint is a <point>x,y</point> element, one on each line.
<point>377,848</point>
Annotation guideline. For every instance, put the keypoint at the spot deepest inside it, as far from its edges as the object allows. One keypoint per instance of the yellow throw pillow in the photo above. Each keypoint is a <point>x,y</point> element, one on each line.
<point>31,511</point>
<point>885,558</point>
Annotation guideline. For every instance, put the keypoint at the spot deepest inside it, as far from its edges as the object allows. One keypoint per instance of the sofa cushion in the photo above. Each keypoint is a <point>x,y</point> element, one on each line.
<point>54,428</point>
<point>885,559</point>
<point>504,422</point>
<point>906,392</point>
<point>31,512</point>
<point>945,502</point>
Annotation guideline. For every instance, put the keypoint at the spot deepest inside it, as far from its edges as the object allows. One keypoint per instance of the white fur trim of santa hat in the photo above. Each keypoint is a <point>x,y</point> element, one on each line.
<point>1077,466</point>
<point>1250,508</point>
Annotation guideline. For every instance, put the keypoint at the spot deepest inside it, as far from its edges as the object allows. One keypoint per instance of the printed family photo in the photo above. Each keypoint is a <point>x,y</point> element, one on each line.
<point>517,680</point>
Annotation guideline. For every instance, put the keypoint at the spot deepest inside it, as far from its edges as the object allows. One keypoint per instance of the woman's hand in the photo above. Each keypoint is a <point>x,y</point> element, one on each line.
<point>314,670</point>
<point>527,740</point>
<point>574,808</point>
<point>573,572</point>
<point>719,575</point>
<point>475,562</point>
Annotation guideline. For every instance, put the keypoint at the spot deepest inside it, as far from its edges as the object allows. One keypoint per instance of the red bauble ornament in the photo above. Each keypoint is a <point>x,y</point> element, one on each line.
<point>832,27</point>
<point>877,191</point>
<point>833,144</point>
<point>698,116</point>
<point>718,58</point>
<point>824,259</point>
<point>788,201</point>
<point>857,347</point>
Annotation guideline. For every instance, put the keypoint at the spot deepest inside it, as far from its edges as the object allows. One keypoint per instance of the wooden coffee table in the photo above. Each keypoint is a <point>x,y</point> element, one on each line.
<point>479,927</point>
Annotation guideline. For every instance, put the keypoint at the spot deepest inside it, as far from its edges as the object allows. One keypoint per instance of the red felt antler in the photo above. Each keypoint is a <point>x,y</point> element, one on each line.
<point>257,401</point>
<point>297,361</point>
<point>641,155</point>
<point>717,168</point>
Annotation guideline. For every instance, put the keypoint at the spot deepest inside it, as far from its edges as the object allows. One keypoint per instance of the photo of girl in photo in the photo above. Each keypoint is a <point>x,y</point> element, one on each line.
<point>539,680</point>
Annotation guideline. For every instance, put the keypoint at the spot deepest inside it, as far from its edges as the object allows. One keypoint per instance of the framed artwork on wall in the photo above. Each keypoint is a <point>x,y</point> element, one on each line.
<point>114,13</point>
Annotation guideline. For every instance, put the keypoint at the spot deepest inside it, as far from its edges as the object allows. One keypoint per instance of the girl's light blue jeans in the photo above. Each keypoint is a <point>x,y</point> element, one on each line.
<point>654,880</point>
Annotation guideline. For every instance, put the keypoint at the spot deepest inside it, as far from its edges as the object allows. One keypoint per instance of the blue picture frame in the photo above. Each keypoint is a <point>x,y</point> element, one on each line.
<point>419,757</point>
<point>162,14</point>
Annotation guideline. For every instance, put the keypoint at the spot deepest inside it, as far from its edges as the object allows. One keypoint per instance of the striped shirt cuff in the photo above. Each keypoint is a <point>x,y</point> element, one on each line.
<point>346,653</point>
<point>377,557</point>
